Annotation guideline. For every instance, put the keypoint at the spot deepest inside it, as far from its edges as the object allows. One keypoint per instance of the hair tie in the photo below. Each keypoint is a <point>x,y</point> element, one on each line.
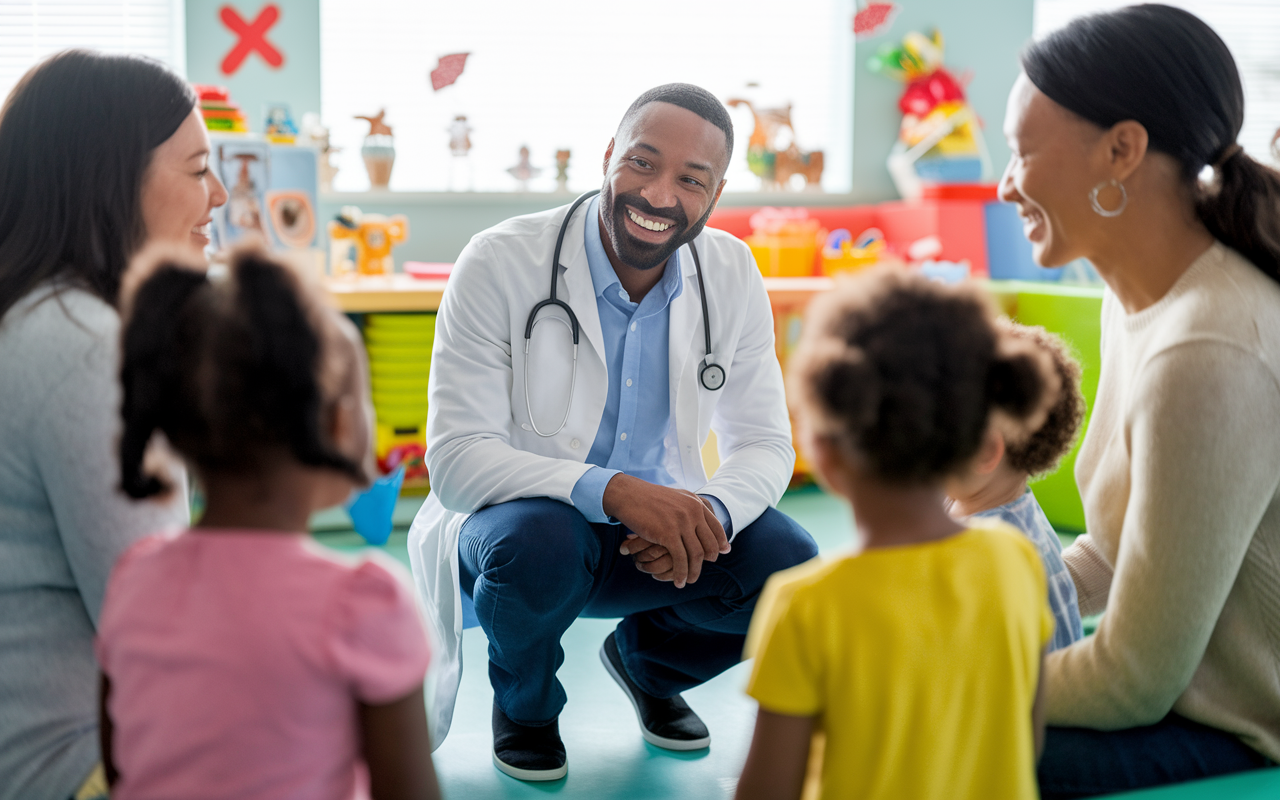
<point>1231,151</point>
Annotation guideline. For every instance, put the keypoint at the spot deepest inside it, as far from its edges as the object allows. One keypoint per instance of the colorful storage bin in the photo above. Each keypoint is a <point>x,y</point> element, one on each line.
<point>399,347</point>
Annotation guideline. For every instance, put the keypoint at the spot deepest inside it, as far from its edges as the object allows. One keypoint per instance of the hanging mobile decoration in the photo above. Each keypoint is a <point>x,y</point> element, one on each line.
<point>448,70</point>
<point>874,19</point>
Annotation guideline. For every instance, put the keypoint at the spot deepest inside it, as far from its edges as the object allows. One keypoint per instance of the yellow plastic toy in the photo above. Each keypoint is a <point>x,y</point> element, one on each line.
<point>785,242</point>
<point>361,243</point>
<point>843,254</point>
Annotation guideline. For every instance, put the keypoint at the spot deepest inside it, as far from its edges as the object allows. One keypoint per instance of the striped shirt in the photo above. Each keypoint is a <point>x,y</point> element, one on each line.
<point>1026,515</point>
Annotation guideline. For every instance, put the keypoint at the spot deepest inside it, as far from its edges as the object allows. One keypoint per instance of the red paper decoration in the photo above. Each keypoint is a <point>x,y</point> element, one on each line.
<point>874,19</point>
<point>448,70</point>
<point>253,37</point>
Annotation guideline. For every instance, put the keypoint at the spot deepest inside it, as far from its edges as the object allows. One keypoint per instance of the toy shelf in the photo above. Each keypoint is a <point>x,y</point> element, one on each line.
<point>374,293</point>
<point>1070,311</point>
<point>399,292</point>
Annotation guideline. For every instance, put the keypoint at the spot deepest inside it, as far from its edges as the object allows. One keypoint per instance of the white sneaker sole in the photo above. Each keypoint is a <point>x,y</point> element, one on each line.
<point>531,774</point>
<point>649,736</point>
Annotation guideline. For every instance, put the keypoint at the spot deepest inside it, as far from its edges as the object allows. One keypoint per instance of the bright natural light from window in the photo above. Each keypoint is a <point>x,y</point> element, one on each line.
<point>559,75</point>
<point>31,30</point>
<point>1251,28</point>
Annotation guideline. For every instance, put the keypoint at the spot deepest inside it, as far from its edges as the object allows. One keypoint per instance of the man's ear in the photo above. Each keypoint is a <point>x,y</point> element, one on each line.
<point>608,156</point>
<point>719,190</point>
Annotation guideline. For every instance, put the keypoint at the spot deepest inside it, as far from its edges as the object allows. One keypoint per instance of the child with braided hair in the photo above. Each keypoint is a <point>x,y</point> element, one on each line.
<point>910,667</point>
<point>238,659</point>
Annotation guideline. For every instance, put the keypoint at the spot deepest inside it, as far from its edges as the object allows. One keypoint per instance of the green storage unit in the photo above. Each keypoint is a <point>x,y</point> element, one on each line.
<point>1075,314</point>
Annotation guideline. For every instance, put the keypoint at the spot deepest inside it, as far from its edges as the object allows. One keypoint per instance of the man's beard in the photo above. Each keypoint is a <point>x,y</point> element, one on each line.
<point>633,252</point>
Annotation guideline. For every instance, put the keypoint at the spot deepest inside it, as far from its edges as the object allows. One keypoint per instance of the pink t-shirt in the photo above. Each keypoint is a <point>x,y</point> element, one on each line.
<point>236,661</point>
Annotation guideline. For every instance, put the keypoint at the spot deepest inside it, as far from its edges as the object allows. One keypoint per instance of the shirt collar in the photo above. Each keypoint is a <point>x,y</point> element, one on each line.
<point>602,274</point>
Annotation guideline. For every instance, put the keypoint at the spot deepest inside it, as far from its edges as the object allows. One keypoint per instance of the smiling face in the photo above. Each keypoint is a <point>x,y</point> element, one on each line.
<point>1056,160</point>
<point>179,191</point>
<point>664,169</point>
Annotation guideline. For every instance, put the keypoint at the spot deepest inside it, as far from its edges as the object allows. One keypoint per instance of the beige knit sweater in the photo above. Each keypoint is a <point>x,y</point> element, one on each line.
<point>1179,474</point>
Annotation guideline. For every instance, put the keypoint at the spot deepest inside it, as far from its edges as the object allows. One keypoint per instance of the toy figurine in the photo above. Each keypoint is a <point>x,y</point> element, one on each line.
<point>460,137</point>
<point>379,151</point>
<point>562,170</point>
<point>772,165</point>
<point>244,209</point>
<point>460,147</point>
<point>317,135</point>
<point>524,171</point>
<point>361,243</point>
<point>280,127</point>
<point>939,138</point>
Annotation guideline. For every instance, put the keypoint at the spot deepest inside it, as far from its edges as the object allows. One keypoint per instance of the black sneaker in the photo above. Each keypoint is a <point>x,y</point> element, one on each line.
<point>527,753</point>
<point>670,723</point>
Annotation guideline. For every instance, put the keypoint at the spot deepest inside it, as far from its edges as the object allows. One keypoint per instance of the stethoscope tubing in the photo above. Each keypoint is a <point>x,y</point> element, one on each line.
<point>710,372</point>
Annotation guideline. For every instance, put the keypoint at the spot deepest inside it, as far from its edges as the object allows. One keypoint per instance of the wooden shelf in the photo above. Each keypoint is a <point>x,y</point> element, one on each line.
<point>400,292</point>
<point>374,293</point>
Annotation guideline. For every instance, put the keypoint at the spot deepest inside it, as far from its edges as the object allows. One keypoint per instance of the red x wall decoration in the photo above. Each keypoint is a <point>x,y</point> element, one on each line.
<point>253,37</point>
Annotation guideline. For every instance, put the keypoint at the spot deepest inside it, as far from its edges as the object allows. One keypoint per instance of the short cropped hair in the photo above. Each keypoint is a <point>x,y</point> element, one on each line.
<point>689,97</point>
<point>1041,452</point>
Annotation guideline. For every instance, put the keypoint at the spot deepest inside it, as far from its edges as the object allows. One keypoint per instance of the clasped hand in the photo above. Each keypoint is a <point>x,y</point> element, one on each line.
<point>672,531</point>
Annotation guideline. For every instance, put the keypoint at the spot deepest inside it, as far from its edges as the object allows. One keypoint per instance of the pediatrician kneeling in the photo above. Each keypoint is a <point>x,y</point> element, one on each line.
<point>564,441</point>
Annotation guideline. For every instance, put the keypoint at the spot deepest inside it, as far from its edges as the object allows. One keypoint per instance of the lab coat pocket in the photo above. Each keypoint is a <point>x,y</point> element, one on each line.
<point>549,369</point>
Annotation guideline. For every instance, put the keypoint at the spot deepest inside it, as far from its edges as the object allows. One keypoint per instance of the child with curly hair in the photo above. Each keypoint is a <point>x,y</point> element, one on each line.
<point>994,485</point>
<point>909,668</point>
<point>239,660</point>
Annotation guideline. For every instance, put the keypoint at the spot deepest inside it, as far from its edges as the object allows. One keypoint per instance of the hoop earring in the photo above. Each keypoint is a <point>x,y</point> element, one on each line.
<point>1097,207</point>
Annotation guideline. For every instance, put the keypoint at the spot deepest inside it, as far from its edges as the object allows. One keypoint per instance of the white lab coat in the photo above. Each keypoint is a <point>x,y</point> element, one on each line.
<point>481,448</point>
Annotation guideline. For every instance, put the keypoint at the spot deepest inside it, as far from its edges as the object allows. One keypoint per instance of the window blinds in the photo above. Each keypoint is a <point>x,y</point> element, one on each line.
<point>34,29</point>
<point>1251,29</point>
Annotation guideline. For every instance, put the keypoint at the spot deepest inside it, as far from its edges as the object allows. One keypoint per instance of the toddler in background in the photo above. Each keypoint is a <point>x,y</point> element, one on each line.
<point>994,486</point>
<point>909,668</point>
<point>240,660</point>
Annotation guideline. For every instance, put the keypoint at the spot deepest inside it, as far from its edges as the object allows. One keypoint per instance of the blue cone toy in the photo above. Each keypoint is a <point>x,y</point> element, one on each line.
<point>371,510</point>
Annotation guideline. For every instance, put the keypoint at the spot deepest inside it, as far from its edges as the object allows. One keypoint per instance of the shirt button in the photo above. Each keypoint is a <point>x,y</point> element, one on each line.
<point>575,444</point>
<point>525,425</point>
<point>624,437</point>
<point>628,381</point>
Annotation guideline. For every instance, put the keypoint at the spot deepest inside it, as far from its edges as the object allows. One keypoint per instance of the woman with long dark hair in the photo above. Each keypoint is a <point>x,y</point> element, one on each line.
<point>1123,128</point>
<point>99,156</point>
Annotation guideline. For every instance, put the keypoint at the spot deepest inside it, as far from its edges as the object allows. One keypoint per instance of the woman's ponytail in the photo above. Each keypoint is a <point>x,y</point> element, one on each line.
<point>287,361</point>
<point>1242,209</point>
<point>157,339</point>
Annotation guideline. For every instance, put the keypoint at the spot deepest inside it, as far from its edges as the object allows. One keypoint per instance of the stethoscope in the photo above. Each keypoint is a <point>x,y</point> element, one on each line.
<point>711,375</point>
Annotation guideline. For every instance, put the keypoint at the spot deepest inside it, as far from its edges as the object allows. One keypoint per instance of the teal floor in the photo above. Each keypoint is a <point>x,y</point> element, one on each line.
<point>607,758</point>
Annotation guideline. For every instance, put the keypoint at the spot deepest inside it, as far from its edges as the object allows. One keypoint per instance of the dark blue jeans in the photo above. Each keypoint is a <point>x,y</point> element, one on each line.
<point>1079,762</point>
<point>533,566</point>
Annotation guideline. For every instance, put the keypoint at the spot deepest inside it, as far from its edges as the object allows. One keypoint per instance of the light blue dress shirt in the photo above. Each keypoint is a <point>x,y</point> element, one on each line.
<point>636,428</point>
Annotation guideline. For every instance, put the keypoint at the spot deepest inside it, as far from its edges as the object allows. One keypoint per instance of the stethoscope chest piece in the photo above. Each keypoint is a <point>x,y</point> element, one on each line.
<point>712,376</point>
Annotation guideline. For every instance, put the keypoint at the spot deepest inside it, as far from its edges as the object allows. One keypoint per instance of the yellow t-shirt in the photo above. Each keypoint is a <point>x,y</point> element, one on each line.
<point>919,661</point>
